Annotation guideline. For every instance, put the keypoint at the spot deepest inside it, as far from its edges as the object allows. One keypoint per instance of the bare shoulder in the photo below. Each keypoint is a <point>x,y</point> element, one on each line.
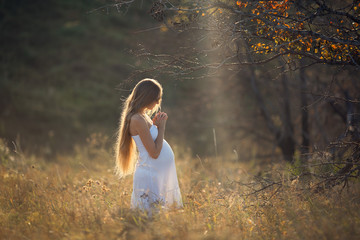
<point>137,123</point>
<point>137,119</point>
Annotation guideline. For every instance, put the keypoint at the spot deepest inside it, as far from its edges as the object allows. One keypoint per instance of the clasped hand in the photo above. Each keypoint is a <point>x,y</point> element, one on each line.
<point>160,119</point>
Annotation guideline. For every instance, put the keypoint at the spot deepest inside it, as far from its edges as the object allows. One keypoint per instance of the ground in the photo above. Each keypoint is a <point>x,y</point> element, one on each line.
<point>78,196</point>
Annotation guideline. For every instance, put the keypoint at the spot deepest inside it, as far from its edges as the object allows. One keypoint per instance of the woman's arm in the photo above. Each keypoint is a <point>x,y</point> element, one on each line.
<point>140,125</point>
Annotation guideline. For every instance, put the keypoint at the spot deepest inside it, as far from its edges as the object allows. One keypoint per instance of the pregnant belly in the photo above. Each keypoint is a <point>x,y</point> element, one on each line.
<point>166,157</point>
<point>166,152</point>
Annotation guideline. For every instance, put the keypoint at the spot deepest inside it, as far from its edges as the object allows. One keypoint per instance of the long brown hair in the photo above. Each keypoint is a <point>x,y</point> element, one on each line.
<point>144,93</point>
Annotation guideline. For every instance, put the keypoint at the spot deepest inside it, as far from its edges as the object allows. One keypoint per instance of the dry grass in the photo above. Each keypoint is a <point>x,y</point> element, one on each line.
<point>78,197</point>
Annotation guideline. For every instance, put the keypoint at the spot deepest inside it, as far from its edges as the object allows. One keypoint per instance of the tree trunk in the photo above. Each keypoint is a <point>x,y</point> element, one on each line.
<point>286,141</point>
<point>305,145</point>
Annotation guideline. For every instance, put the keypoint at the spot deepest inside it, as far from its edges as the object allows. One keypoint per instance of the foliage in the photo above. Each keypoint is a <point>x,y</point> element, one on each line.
<point>258,32</point>
<point>324,31</point>
<point>5,155</point>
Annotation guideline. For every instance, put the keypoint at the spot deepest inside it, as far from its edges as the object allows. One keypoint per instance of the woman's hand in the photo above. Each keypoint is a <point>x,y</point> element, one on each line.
<point>160,119</point>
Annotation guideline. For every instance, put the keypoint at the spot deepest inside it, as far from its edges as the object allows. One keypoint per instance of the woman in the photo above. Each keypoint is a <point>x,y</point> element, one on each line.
<point>155,181</point>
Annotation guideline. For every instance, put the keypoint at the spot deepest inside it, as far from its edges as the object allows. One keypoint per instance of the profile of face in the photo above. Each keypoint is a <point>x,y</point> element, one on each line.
<point>154,103</point>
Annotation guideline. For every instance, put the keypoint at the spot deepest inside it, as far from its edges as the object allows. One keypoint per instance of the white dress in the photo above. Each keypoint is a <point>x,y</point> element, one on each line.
<point>155,181</point>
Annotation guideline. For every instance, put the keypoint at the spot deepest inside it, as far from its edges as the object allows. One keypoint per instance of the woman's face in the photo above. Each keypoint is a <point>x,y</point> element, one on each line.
<point>153,104</point>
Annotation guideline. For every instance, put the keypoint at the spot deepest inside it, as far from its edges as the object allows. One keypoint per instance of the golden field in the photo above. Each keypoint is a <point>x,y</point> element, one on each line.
<point>78,197</point>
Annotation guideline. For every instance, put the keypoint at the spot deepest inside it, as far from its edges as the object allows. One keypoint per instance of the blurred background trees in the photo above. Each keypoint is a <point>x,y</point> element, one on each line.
<point>60,66</point>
